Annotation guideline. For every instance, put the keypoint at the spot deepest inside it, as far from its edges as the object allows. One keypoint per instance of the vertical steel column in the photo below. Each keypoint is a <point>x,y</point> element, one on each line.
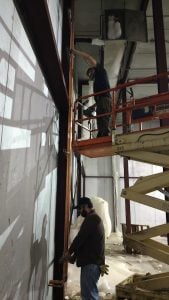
<point>58,293</point>
<point>64,177</point>
<point>161,60</point>
<point>79,112</point>
<point>84,180</point>
<point>79,133</point>
<point>102,55</point>
<point>79,177</point>
<point>126,173</point>
<point>160,49</point>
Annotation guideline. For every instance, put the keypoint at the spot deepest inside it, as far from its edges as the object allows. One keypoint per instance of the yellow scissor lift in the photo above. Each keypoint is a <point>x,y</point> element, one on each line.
<point>148,146</point>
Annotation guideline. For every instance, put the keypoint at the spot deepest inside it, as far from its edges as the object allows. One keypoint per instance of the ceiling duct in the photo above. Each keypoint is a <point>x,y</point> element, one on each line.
<point>124,24</point>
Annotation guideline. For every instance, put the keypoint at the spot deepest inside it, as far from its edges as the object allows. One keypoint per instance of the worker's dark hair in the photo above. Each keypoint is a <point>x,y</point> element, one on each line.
<point>84,201</point>
<point>89,70</point>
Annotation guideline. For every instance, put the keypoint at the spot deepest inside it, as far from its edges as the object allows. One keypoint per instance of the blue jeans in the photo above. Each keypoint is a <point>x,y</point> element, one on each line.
<point>88,281</point>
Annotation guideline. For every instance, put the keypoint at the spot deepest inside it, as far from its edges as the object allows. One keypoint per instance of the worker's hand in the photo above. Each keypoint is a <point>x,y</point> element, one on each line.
<point>89,111</point>
<point>104,269</point>
<point>72,259</point>
<point>67,257</point>
<point>72,51</point>
<point>75,51</point>
<point>64,257</point>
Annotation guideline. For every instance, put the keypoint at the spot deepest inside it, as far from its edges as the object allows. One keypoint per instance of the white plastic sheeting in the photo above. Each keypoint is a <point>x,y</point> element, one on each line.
<point>102,209</point>
<point>114,28</point>
<point>28,162</point>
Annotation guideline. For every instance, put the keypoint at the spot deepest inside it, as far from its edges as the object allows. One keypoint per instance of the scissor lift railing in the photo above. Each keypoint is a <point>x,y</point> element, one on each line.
<point>91,146</point>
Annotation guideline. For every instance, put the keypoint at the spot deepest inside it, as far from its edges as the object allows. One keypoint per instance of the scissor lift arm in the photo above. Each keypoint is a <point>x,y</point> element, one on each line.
<point>150,147</point>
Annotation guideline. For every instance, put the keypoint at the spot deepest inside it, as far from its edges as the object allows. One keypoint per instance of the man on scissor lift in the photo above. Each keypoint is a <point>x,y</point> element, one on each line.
<point>98,74</point>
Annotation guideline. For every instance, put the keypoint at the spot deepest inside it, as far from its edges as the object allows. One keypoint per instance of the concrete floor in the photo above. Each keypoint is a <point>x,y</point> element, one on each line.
<point>121,266</point>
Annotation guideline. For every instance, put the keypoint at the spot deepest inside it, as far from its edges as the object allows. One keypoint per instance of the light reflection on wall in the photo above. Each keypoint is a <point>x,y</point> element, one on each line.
<point>6,103</point>
<point>16,52</point>
<point>14,138</point>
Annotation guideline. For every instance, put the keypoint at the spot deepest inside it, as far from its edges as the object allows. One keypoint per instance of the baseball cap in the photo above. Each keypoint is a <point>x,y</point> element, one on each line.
<point>84,201</point>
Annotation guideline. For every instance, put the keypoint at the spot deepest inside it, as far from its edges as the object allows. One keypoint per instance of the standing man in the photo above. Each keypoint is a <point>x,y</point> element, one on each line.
<point>98,74</point>
<point>88,249</point>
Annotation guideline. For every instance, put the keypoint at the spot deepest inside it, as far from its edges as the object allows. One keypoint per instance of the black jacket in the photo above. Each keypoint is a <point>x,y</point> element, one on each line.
<point>89,244</point>
<point>101,81</point>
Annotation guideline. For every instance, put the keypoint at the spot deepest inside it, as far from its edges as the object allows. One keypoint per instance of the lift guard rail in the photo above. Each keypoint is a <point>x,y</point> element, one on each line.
<point>157,106</point>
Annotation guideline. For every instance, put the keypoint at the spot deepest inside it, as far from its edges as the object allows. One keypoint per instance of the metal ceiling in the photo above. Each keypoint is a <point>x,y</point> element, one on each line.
<point>138,58</point>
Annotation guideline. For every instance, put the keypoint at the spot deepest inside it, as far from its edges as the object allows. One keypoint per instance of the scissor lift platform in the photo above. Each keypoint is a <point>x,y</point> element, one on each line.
<point>156,139</point>
<point>144,287</point>
<point>97,147</point>
<point>157,106</point>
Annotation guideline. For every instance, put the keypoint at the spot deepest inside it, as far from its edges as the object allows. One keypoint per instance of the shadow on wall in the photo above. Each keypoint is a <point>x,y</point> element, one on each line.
<point>38,264</point>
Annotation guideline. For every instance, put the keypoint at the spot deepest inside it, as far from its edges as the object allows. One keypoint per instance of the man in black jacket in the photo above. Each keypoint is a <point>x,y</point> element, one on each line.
<point>88,249</point>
